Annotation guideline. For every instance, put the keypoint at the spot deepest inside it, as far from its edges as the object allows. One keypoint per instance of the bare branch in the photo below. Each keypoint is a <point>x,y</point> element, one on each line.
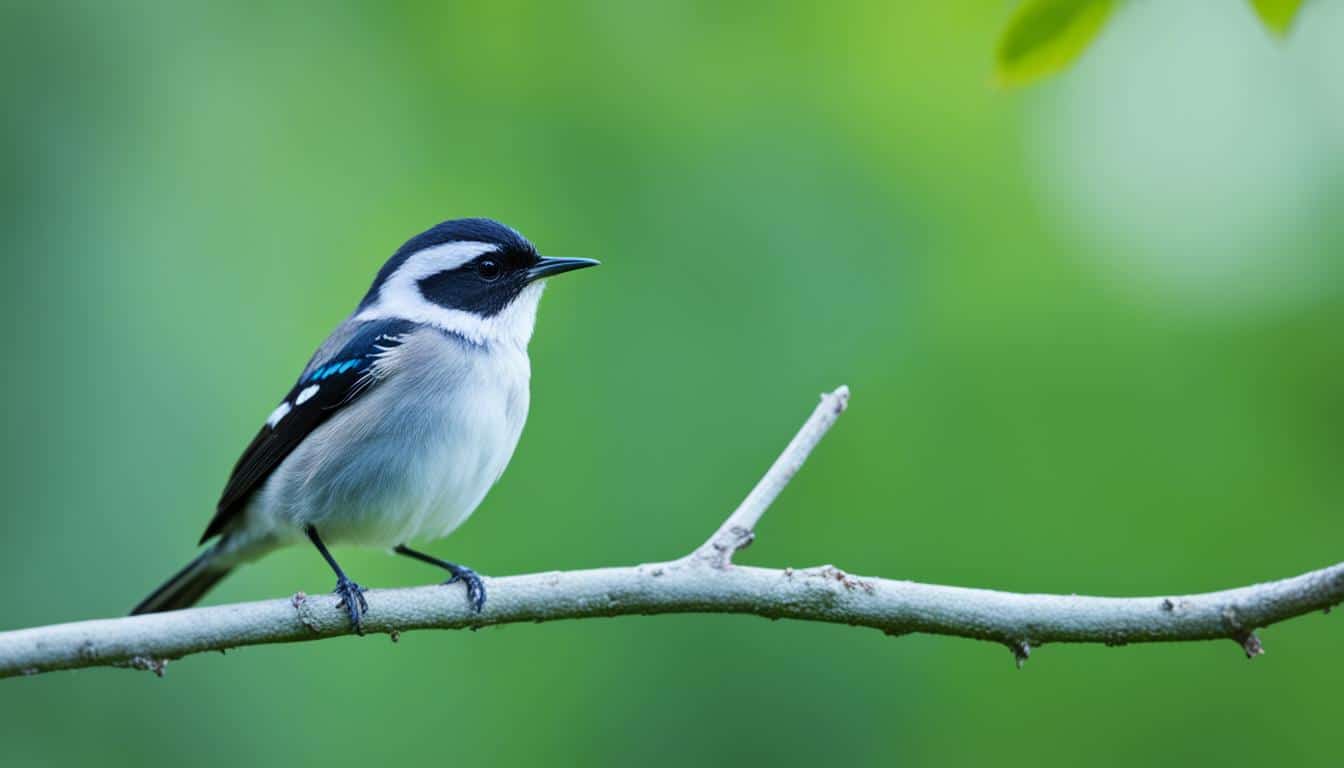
<point>1021,622</point>
<point>738,531</point>
<point>693,584</point>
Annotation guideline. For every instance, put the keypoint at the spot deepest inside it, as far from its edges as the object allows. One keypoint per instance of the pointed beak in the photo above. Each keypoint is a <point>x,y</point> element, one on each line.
<point>549,266</point>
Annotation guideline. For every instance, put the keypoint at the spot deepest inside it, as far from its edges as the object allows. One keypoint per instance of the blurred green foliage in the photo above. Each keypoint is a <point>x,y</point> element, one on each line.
<point>784,200</point>
<point>1045,36</point>
<point>1277,15</point>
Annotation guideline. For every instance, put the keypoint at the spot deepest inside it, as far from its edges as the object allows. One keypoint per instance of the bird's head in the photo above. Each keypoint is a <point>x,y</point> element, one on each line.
<point>473,277</point>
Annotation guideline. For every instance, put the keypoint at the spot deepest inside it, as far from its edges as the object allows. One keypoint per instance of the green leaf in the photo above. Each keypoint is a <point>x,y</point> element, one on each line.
<point>1045,36</point>
<point>1277,15</point>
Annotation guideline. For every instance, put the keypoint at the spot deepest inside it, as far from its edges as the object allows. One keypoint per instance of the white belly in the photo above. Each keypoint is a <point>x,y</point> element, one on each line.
<point>410,459</point>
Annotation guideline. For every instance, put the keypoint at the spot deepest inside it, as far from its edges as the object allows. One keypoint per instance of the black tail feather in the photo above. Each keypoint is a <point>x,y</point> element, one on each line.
<point>186,587</point>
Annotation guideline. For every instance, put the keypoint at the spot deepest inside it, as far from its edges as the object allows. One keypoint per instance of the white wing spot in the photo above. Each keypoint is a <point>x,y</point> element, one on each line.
<point>281,411</point>
<point>306,395</point>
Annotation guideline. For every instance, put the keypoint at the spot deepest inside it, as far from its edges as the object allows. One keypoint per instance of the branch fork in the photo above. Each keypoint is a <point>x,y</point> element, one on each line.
<point>704,581</point>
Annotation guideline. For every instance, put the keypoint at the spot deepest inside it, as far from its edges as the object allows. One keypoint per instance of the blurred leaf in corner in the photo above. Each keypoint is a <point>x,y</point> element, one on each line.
<point>1277,15</point>
<point>1045,36</point>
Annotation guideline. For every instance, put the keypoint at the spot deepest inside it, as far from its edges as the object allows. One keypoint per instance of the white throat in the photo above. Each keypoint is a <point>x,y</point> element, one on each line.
<point>400,298</point>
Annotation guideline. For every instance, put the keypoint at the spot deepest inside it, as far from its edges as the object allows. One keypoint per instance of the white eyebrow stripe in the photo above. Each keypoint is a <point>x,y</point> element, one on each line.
<point>433,260</point>
<point>399,298</point>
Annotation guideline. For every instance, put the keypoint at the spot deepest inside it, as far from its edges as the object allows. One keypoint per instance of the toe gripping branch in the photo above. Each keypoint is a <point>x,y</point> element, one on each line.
<point>475,586</point>
<point>352,599</point>
<point>351,594</point>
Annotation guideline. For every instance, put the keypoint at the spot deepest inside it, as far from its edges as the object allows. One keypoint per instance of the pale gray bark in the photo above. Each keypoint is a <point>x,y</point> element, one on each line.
<point>703,582</point>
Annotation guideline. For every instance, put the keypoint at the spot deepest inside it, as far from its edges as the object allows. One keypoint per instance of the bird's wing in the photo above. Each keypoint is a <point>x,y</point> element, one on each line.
<point>331,381</point>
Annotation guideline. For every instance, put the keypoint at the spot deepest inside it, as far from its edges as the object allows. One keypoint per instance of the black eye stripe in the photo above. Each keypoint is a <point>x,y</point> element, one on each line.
<point>465,288</point>
<point>511,249</point>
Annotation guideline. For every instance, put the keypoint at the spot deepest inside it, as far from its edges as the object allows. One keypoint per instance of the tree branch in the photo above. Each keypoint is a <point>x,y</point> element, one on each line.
<point>739,530</point>
<point>703,582</point>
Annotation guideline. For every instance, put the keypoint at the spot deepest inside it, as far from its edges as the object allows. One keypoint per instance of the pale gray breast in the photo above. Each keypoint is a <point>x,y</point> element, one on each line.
<point>415,455</point>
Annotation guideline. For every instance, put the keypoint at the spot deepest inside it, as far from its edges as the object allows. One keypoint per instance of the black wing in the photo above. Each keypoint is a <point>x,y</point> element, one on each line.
<point>324,388</point>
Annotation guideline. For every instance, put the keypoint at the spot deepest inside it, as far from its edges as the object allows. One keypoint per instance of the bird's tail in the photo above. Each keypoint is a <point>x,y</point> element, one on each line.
<point>187,586</point>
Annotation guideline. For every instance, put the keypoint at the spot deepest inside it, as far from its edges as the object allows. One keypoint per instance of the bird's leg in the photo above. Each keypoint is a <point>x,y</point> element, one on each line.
<point>475,587</point>
<point>351,594</point>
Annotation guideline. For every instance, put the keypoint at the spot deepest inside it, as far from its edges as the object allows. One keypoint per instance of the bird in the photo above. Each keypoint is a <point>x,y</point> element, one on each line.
<point>400,423</point>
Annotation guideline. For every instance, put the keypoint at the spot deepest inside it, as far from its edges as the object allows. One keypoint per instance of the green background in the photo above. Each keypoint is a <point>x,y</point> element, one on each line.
<point>1092,328</point>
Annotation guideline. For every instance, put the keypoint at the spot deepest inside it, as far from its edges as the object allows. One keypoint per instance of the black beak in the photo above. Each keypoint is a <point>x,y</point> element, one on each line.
<point>548,266</point>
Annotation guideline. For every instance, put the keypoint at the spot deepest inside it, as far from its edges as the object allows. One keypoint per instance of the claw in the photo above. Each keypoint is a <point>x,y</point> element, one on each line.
<point>352,600</point>
<point>475,587</point>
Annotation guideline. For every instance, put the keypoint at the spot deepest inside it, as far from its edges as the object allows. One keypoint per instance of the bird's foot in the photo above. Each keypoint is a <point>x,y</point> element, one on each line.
<point>475,587</point>
<point>352,599</point>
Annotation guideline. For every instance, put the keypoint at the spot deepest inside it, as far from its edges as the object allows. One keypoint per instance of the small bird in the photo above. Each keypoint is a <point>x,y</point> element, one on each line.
<point>400,423</point>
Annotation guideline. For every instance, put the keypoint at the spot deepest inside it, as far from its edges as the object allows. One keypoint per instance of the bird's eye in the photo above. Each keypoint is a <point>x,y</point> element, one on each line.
<point>489,269</point>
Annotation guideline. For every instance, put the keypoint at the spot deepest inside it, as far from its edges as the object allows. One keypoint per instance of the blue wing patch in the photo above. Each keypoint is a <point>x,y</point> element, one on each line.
<point>318,394</point>
<point>332,369</point>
